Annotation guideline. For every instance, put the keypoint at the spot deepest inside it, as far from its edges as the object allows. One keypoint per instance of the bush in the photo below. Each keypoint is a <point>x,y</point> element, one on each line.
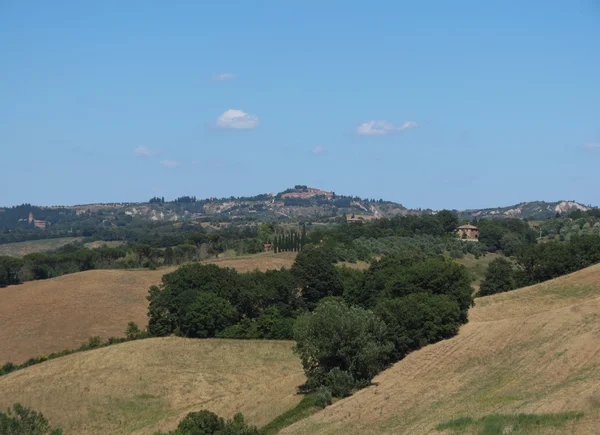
<point>340,383</point>
<point>7,368</point>
<point>324,397</point>
<point>208,423</point>
<point>132,331</point>
<point>24,421</point>
<point>351,339</point>
<point>201,422</point>
<point>94,342</point>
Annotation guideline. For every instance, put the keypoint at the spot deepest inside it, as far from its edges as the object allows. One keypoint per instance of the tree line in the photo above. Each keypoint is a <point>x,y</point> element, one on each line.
<point>533,264</point>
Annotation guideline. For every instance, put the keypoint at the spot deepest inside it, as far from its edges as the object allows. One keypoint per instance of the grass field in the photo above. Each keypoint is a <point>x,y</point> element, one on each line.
<point>147,385</point>
<point>23,248</point>
<point>477,266</point>
<point>100,243</point>
<point>41,317</point>
<point>527,356</point>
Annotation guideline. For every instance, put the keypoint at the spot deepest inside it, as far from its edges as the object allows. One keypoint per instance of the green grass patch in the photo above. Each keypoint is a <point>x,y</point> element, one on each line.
<point>305,408</point>
<point>498,424</point>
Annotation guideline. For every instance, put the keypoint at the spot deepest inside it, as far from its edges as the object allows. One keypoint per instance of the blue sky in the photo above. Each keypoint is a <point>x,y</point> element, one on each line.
<point>432,104</point>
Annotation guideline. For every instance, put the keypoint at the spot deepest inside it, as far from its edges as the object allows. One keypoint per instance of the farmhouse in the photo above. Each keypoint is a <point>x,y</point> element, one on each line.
<point>42,225</point>
<point>468,232</point>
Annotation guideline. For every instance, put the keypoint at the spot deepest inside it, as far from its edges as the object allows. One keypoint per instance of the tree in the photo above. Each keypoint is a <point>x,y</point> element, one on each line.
<point>316,274</point>
<point>419,319</point>
<point>448,220</point>
<point>351,339</point>
<point>434,276</point>
<point>132,331</point>
<point>208,423</point>
<point>24,421</point>
<point>207,315</point>
<point>499,277</point>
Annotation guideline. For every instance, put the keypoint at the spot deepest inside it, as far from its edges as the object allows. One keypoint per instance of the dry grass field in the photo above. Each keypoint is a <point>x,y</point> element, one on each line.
<point>23,248</point>
<point>41,317</point>
<point>143,386</point>
<point>535,350</point>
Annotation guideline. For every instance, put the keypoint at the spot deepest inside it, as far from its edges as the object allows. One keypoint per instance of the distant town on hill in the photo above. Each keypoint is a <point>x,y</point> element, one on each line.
<point>300,203</point>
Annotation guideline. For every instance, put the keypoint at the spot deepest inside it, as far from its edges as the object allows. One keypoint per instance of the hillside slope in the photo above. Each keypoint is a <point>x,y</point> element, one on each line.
<point>533,350</point>
<point>143,386</point>
<point>41,317</point>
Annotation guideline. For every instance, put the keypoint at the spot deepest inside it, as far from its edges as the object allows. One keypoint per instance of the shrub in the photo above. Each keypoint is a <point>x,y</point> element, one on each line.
<point>94,342</point>
<point>201,422</point>
<point>208,423</point>
<point>340,383</point>
<point>7,368</point>
<point>324,397</point>
<point>132,331</point>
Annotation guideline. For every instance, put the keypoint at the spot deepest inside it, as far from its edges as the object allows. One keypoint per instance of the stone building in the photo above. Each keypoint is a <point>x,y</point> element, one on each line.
<point>468,232</point>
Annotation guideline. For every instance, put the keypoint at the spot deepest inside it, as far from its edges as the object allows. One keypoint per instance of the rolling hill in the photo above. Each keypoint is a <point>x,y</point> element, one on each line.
<point>147,385</point>
<point>40,317</point>
<point>535,351</point>
<point>525,210</point>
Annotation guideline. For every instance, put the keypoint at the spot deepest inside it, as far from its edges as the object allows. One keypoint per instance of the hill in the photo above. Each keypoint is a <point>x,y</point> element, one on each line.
<point>40,317</point>
<point>143,386</point>
<point>529,210</point>
<point>535,350</point>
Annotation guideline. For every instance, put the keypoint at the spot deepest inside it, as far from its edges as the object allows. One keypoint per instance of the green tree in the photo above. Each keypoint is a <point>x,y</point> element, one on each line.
<point>499,277</point>
<point>132,331</point>
<point>351,339</point>
<point>419,319</point>
<point>24,421</point>
<point>316,275</point>
<point>207,315</point>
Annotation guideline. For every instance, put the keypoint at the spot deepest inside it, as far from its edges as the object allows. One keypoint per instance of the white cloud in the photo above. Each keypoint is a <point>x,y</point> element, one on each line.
<point>237,119</point>
<point>592,146</point>
<point>318,150</point>
<point>170,163</point>
<point>379,128</point>
<point>144,151</point>
<point>223,76</point>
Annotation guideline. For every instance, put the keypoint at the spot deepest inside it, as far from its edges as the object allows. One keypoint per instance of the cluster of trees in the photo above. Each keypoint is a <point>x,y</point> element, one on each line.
<point>348,324</point>
<point>427,244</point>
<point>292,242</point>
<point>73,258</point>
<point>537,263</point>
<point>506,235</point>
<point>24,421</point>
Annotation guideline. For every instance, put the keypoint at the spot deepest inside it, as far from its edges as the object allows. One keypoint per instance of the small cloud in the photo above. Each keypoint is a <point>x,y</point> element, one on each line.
<point>379,128</point>
<point>592,146</point>
<point>143,151</point>
<point>237,119</point>
<point>170,163</point>
<point>318,150</point>
<point>223,76</point>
